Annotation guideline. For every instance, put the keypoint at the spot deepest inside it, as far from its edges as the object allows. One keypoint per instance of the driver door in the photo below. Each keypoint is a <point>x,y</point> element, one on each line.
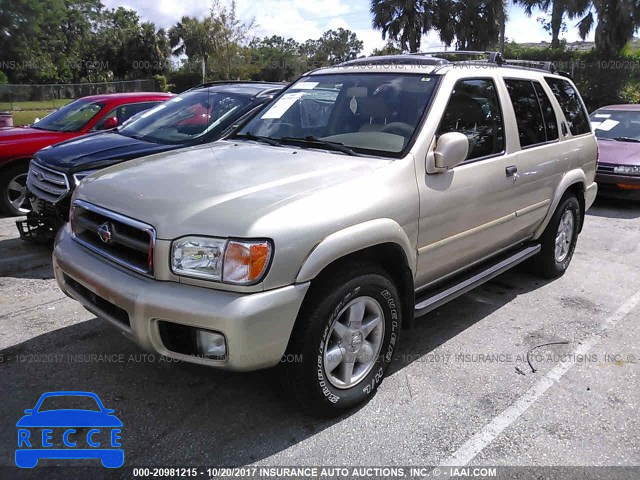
<point>466,214</point>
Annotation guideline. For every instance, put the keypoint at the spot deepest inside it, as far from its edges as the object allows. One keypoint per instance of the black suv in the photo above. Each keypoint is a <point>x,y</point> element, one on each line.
<point>202,114</point>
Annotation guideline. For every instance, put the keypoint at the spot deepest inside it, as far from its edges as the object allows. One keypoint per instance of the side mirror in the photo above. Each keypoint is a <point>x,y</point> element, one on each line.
<point>109,123</point>
<point>451,149</point>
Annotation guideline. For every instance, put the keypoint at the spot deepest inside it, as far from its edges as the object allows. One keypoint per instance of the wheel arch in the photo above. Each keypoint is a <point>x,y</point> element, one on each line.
<point>17,161</point>
<point>380,242</point>
<point>574,181</point>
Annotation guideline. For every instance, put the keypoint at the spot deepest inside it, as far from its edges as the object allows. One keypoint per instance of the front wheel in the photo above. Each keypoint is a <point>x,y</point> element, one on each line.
<point>13,190</point>
<point>559,239</point>
<point>344,340</point>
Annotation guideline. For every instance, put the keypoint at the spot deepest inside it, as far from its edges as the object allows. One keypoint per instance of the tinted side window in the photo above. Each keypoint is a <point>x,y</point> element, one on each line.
<point>550,119</point>
<point>125,112</point>
<point>571,105</point>
<point>474,110</point>
<point>529,119</point>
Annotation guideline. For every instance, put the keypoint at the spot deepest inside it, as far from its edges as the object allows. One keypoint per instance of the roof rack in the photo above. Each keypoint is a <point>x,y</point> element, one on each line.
<point>436,59</point>
<point>498,59</point>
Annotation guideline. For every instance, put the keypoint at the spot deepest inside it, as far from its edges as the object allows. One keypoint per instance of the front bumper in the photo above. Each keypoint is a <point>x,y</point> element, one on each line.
<point>610,186</point>
<point>257,326</point>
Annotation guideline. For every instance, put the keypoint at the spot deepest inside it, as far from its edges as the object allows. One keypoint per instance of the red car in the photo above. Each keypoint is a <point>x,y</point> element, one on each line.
<point>88,114</point>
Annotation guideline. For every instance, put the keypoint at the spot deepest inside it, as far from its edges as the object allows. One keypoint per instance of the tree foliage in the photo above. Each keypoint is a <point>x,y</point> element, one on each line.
<point>468,23</point>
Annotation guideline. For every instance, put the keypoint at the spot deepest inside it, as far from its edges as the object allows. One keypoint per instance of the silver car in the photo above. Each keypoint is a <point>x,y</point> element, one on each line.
<point>365,195</point>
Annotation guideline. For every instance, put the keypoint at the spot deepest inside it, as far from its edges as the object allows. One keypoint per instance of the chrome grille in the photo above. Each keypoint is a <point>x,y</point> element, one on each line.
<point>120,239</point>
<point>47,183</point>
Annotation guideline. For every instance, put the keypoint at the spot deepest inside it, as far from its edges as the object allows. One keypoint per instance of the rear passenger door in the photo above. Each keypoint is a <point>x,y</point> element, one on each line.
<point>540,159</point>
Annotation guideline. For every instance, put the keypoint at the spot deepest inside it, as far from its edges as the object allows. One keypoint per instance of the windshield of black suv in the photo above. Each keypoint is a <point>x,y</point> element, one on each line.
<point>375,113</point>
<point>186,117</point>
<point>616,124</point>
<point>70,118</point>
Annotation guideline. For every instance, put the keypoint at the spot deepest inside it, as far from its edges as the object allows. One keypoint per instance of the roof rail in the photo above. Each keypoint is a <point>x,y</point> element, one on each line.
<point>498,59</point>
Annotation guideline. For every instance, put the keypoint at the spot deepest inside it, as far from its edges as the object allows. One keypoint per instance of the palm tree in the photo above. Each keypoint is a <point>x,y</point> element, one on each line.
<point>403,21</point>
<point>470,23</point>
<point>617,22</point>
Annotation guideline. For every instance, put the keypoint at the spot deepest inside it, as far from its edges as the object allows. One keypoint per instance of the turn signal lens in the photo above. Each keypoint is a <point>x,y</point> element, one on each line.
<point>245,262</point>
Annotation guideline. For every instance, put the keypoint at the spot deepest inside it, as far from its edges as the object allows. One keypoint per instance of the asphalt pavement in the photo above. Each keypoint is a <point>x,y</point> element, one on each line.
<point>460,392</point>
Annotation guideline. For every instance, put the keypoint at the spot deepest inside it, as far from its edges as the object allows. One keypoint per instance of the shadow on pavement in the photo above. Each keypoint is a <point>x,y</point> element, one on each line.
<point>613,208</point>
<point>25,260</point>
<point>444,323</point>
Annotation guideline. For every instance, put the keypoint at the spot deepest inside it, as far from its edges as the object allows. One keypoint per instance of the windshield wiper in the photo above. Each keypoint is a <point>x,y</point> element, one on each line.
<point>337,146</point>
<point>626,139</point>
<point>258,138</point>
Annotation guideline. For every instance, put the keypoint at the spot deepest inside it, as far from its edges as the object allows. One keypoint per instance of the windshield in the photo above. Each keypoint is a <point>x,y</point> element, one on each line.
<point>70,118</point>
<point>616,124</point>
<point>67,402</point>
<point>186,117</point>
<point>374,113</point>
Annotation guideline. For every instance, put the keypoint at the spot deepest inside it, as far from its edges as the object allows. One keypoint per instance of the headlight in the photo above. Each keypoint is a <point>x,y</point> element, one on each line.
<point>627,169</point>
<point>78,177</point>
<point>229,261</point>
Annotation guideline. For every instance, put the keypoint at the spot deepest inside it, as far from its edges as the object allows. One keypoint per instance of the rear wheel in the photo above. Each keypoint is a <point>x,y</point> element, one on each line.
<point>559,239</point>
<point>13,190</point>
<point>344,340</point>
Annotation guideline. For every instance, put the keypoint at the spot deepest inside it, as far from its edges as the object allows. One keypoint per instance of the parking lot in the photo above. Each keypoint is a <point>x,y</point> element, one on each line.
<point>459,392</point>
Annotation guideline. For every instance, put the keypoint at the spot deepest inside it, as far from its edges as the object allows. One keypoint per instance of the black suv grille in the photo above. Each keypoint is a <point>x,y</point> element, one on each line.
<point>122,240</point>
<point>47,183</point>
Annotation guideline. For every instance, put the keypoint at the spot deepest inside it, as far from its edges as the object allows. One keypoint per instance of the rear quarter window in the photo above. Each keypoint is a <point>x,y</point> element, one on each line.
<point>571,105</point>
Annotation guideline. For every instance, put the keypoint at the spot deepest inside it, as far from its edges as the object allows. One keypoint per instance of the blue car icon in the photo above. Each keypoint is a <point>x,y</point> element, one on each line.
<point>52,429</point>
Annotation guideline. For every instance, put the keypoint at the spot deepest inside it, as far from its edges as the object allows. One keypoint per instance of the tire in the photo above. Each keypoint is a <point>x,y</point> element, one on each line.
<point>10,178</point>
<point>553,260</point>
<point>334,301</point>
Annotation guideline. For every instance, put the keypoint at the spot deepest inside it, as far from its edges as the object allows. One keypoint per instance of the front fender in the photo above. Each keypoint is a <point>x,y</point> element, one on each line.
<point>570,178</point>
<point>353,239</point>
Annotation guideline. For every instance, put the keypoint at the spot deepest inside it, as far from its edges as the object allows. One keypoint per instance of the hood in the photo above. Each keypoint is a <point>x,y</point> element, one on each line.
<point>25,134</point>
<point>97,151</point>
<point>224,188</point>
<point>69,418</point>
<point>618,153</point>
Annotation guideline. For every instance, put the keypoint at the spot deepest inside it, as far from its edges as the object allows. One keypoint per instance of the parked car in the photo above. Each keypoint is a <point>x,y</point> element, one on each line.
<point>363,196</point>
<point>617,128</point>
<point>88,114</point>
<point>200,115</point>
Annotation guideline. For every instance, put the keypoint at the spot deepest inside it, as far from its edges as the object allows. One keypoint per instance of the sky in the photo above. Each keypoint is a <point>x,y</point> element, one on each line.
<point>304,19</point>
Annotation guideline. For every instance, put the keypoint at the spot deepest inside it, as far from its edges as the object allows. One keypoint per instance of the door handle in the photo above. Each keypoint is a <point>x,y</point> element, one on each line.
<point>511,170</point>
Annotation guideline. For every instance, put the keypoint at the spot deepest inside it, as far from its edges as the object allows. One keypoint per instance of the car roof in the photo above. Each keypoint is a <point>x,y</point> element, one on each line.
<point>629,107</point>
<point>128,97</point>
<point>431,63</point>
<point>241,88</point>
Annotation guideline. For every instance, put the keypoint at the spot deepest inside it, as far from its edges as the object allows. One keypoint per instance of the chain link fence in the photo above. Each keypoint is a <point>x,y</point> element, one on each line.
<point>24,97</point>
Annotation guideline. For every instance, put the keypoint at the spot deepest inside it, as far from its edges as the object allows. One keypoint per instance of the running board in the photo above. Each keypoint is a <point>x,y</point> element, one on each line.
<point>434,299</point>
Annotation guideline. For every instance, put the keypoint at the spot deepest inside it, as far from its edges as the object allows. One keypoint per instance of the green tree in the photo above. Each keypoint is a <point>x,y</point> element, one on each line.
<point>617,20</point>
<point>391,48</point>
<point>276,59</point>
<point>230,38</point>
<point>470,23</point>
<point>337,46</point>
<point>403,21</point>
<point>557,10</point>
<point>219,40</point>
